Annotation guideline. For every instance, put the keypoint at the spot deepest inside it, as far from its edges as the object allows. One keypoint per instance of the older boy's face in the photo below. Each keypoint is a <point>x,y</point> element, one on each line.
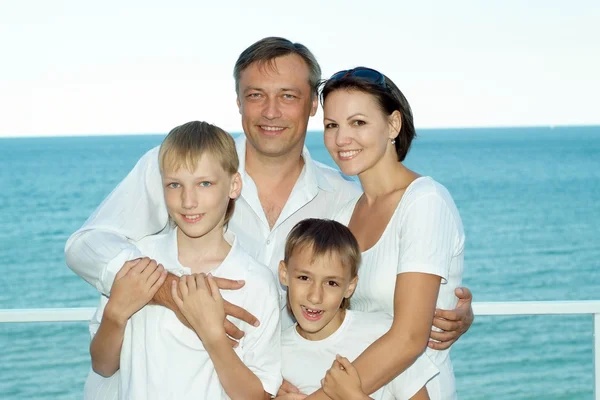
<point>276,101</point>
<point>197,200</point>
<point>316,289</point>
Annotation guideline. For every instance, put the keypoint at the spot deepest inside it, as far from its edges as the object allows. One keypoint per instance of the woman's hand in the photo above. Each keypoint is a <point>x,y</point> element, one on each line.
<point>342,381</point>
<point>452,323</point>
<point>134,286</point>
<point>202,305</point>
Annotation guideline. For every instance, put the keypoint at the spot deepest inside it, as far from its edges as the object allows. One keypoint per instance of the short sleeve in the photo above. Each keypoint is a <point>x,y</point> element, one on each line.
<point>428,237</point>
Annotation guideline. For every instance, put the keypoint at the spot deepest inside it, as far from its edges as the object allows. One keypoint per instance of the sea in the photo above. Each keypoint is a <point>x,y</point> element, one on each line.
<point>530,203</point>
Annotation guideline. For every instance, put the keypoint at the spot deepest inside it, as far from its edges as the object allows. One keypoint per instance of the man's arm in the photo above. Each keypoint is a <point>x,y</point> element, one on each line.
<point>133,210</point>
<point>453,323</point>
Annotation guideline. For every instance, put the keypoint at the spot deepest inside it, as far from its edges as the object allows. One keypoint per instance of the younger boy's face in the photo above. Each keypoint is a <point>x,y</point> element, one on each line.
<point>197,200</point>
<point>316,288</point>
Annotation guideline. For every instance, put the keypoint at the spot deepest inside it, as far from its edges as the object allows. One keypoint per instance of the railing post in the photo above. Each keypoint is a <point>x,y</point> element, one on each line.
<point>596,317</point>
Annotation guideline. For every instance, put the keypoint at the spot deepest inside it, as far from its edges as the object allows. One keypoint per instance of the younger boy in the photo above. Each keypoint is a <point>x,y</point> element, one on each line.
<point>320,271</point>
<point>158,357</point>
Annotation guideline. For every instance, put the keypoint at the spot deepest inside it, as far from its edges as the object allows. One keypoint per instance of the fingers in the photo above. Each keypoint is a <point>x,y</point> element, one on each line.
<point>447,324</point>
<point>240,313</point>
<point>214,289</point>
<point>175,295</point>
<point>141,265</point>
<point>463,293</point>
<point>183,287</point>
<point>288,387</point>
<point>126,267</point>
<point>444,336</point>
<point>157,279</point>
<point>229,284</point>
<point>346,364</point>
<point>448,315</point>
<point>440,345</point>
<point>149,270</point>
<point>232,330</point>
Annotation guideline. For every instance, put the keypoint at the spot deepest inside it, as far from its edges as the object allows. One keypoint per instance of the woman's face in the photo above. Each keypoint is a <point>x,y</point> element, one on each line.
<point>357,133</point>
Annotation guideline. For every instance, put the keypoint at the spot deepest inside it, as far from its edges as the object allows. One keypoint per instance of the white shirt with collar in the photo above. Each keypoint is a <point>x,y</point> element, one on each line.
<point>136,209</point>
<point>163,359</point>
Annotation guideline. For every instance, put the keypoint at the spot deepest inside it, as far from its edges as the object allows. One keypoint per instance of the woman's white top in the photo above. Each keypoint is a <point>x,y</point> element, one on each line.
<point>305,362</point>
<point>163,359</point>
<point>425,234</point>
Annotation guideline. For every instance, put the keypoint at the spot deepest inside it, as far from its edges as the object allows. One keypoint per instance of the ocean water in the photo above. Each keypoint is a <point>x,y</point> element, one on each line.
<point>530,203</point>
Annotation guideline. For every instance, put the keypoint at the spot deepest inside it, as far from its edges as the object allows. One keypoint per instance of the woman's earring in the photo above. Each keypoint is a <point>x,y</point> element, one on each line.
<point>393,140</point>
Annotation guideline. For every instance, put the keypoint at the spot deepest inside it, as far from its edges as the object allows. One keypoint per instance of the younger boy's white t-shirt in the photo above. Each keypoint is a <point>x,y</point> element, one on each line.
<point>163,359</point>
<point>305,362</point>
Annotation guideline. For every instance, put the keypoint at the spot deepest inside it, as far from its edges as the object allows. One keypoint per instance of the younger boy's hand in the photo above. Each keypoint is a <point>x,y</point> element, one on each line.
<point>134,286</point>
<point>202,305</point>
<point>342,381</point>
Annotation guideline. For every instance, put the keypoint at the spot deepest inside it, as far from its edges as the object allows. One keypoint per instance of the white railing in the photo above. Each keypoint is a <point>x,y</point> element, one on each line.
<point>591,307</point>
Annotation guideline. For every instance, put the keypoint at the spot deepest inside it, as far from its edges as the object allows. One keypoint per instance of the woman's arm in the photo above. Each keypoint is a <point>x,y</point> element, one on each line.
<point>414,305</point>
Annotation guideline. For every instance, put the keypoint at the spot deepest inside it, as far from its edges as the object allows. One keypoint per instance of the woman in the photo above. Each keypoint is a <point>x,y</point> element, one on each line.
<point>408,228</point>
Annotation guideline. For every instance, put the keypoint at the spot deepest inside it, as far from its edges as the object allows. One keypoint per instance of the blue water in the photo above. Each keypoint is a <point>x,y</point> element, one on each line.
<point>530,203</point>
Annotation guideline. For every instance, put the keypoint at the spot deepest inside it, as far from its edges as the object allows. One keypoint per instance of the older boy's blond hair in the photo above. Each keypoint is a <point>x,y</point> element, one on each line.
<point>324,237</point>
<point>187,143</point>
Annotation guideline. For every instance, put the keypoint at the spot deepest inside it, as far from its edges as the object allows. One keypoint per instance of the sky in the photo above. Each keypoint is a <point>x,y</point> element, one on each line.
<point>123,67</point>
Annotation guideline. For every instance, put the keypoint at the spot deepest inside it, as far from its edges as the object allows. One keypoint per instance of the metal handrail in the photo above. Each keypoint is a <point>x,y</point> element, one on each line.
<point>589,307</point>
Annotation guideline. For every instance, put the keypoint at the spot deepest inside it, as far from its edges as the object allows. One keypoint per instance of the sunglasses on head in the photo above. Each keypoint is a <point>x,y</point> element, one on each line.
<point>368,74</point>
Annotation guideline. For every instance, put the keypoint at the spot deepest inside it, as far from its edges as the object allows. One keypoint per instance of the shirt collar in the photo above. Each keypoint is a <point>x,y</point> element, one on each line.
<point>312,175</point>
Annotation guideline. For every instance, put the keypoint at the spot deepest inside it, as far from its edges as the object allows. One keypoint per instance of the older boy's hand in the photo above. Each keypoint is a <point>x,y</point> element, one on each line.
<point>134,286</point>
<point>202,305</point>
<point>453,323</point>
<point>164,298</point>
<point>342,381</point>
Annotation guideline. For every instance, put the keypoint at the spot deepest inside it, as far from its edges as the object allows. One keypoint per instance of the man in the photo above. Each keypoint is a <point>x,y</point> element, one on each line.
<point>276,84</point>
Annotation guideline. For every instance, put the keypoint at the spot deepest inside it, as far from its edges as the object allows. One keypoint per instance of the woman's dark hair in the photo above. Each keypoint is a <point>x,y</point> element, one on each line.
<point>389,98</point>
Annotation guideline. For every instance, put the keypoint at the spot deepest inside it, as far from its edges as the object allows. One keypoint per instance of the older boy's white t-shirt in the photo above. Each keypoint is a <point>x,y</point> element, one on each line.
<point>163,359</point>
<point>305,362</point>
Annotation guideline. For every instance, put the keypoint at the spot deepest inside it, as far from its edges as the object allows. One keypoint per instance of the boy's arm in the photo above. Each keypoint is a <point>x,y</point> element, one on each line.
<point>134,286</point>
<point>201,303</point>
<point>133,210</point>
<point>105,349</point>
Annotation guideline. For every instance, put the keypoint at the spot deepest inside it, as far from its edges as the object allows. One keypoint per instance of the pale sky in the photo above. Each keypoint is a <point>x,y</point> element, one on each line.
<point>110,67</point>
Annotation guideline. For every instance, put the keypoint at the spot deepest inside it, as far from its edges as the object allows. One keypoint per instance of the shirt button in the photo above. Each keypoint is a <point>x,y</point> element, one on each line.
<point>269,241</point>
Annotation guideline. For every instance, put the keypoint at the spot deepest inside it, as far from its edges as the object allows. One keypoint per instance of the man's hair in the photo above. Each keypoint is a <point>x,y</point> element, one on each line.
<point>325,237</point>
<point>266,50</point>
<point>187,143</point>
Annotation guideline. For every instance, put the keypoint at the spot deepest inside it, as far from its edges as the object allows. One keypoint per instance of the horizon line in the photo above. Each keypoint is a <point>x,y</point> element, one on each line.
<point>550,126</point>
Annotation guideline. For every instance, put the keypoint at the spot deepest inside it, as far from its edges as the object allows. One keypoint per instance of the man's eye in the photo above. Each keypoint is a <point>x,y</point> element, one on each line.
<point>288,96</point>
<point>303,278</point>
<point>254,95</point>
<point>205,184</point>
<point>333,283</point>
<point>173,185</point>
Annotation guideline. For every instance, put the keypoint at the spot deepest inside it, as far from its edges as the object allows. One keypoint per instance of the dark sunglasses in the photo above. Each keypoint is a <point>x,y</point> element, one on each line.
<point>368,74</point>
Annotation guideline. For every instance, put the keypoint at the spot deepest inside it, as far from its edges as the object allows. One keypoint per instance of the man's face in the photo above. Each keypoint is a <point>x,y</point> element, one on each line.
<point>275,101</point>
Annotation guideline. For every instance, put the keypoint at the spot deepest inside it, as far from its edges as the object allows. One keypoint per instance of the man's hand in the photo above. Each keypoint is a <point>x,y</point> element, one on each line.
<point>342,381</point>
<point>164,298</point>
<point>202,305</point>
<point>291,396</point>
<point>453,323</point>
<point>134,286</point>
